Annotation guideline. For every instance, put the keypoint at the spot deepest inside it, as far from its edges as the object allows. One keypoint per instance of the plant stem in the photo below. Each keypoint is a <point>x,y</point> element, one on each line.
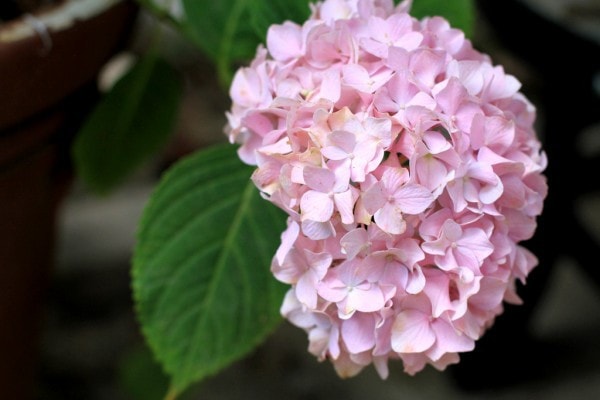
<point>171,394</point>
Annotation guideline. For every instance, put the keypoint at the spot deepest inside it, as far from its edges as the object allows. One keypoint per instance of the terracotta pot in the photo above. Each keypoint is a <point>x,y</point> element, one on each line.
<point>48,66</point>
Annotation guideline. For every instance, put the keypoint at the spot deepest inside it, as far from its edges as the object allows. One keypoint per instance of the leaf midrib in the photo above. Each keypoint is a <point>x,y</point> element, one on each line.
<point>220,267</point>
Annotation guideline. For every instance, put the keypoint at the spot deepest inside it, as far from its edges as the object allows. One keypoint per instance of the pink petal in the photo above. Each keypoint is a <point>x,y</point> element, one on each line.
<point>476,241</point>
<point>490,294</point>
<point>426,65</point>
<point>411,332</point>
<point>451,230</point>
<point>332,289</point>
<point>246,88</point>
<point>306,290</point>
<point>319,179</point>
<point>356,76</point>
<point>469,74</point>
<point>389,219</point>
<point>374,198</point>
<point>413,198</point>
<point>448,340</point>
<point>291,269</point>
<point>316,206</point>
<point>437,291</point>
<point>358,333</point>
<point>369,300</point>
<point>416,281</point>
<point>317,230</point>
<point>354,242</point>
<point>436,247</point>
<point>284,41</point>
<point>288,237</point>
<point>344,202</point>
<point>331,86</point>
<point>431,172</point>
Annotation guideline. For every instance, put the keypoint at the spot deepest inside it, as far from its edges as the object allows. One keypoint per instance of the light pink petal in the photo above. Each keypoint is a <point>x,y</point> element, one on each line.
<point>426,64</point>
<point>448,340</point>
<point>401,89</point>
<point>492,192</point>
<point>288,237</point>
<point>284,41</point>
<point>380,129</point>
<point>318,262</point>
<point>449,95</point>
<point>369,300</point>
<point>374,47</point>
<point>437,292</point>
<point>374,198</point>
<point>317,230</point>
<point>246,88</point>
<point>476,241</point>
<point>389,219</point>
<point>469,74</point>
<point>416,281</point>
<point>342,144</point>
<point>335,9</point>
<point>354,242</point>
<point>452,231</point>
<point>357,77</point>
<point>455,189</point>
<point>394,178</point>
<point>490,294</point>
<point>381,366</point>
<point>435,247</point>
<point>331,86</point>
<point>422,99</point>
<point>306,290</point>
<point>431,227</point>
<point>431,172</point>
<point>344,202</point>
<point>524,262</point>
<point>316,206</point>
<point>379,30</point>
<point>291,269</point>
<point>410,41</point>
<point>319,179</point>
<point>411,332</point>
<point>358,333</point>
<point>398,59</point>
<point>408,252</point>
<point>383,101</point>
<point>413,198</point>
<point>332,289</point>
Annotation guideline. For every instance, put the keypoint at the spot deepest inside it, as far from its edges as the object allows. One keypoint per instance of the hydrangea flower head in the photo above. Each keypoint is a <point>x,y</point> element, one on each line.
<point>410,171</point>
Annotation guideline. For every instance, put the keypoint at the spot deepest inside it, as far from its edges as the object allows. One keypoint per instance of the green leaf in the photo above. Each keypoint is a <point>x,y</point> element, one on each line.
<point>223,31</point>
<point>264,13</point>
<point>229,31</point>
<point>129,124</point>
<point>204,292</point>
<point>460,13</point>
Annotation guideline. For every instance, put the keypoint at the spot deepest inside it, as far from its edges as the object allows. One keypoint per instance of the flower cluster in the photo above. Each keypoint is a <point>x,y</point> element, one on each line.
<point>410,171</point>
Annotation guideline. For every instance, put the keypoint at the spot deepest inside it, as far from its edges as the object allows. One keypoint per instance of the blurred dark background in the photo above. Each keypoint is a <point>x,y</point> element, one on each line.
<point>548,348</point>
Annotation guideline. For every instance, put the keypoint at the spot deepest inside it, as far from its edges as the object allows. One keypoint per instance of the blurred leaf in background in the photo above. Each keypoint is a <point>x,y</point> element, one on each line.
<point>460,13</point>
<point>229,31</point>
<point>131,122</point>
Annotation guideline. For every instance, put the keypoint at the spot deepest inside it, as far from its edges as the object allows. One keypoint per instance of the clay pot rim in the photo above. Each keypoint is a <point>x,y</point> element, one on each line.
<point>51,19</point>
<point>41,68</point>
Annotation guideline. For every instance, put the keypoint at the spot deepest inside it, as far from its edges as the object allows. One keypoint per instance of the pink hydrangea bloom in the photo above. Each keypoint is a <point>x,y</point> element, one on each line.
<point>410,171</point>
